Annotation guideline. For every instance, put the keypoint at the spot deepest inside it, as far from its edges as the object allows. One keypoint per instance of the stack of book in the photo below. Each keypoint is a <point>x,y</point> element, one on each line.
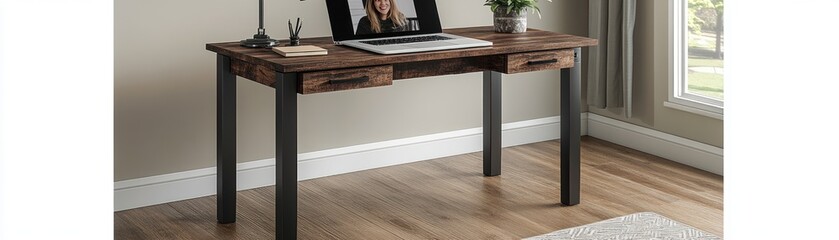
<point>298,51</point>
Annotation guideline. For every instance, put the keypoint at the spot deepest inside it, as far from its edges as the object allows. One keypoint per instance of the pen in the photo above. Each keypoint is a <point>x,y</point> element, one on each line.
<point>290,31</point>
<point>297,31</point>
<point>299,26</point>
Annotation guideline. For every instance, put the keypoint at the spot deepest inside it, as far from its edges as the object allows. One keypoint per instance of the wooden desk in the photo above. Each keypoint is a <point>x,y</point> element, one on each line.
<point>347,68</point>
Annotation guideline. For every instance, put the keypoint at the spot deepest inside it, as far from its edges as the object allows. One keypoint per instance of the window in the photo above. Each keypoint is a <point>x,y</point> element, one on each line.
<point>697,55</point>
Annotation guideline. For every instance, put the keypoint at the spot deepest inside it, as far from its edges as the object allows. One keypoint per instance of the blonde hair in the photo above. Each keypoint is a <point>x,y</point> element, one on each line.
<point>375,24</point>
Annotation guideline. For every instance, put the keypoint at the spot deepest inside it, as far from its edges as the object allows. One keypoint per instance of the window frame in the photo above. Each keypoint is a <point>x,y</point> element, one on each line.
<point>678,95</point>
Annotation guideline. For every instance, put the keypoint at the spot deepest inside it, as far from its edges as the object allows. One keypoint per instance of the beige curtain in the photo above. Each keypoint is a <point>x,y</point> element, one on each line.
<point>612,22</point>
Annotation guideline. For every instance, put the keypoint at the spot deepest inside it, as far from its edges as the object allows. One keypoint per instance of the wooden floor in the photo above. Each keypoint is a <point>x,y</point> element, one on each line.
<point>449,198</point>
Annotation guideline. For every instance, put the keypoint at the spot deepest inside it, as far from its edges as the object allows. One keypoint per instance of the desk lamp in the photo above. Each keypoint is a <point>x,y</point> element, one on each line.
<point>260,39</point>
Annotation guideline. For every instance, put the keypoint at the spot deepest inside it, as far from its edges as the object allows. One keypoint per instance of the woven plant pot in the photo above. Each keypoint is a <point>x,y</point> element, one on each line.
<point>512,22</point>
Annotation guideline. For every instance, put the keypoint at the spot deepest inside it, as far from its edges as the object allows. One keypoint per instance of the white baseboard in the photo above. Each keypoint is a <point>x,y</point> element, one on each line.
<point>674,148</point>
<point>165,188</point>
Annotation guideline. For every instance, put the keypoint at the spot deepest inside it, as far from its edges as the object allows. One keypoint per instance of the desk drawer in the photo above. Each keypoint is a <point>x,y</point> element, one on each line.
<point>542,60</point>
<point>345,79</point>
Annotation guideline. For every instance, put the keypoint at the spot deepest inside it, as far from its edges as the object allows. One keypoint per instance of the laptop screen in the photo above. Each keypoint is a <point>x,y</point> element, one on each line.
<point>364,19</point>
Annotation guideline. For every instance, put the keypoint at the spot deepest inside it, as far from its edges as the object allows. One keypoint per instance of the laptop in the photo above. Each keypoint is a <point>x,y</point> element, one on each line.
<point>392,26</point>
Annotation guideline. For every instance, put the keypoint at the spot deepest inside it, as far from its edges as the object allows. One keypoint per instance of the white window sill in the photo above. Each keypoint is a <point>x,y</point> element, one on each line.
<point>693,110</point>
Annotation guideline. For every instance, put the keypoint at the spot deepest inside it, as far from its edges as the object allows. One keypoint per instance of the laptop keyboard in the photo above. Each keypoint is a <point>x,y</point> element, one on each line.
<point>406,40</point>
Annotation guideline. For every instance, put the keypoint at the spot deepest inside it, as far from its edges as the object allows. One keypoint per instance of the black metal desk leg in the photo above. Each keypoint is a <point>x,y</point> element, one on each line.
<point>286,156</point>
<point>225,141</point>
<point>492,123</point>
<point>570,133</point>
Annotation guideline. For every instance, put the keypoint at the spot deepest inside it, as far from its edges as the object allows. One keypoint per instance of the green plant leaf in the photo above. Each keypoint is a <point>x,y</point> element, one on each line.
<point>518,6</point>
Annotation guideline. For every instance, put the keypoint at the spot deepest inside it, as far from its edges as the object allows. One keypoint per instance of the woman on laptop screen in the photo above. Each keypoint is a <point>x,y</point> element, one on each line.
<point>382,16</point>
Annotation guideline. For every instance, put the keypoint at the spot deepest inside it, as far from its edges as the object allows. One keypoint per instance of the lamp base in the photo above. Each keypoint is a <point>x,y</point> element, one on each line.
<point>259,41</point>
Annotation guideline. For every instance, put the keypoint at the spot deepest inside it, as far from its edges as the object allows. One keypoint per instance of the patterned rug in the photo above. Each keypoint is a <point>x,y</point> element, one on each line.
<point>643,225</point>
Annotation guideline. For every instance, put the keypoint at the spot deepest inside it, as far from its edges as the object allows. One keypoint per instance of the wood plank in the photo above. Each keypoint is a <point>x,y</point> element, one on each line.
<point>532,40</point>
<point>537,61</point>
<point>325,219</point>
<point>157,222</point>
<point>251,220</point>
<point>345,79</point>
<point>403,200</point>
<point>447,66</point>
<point>257,73</point>
<point>449,198</point>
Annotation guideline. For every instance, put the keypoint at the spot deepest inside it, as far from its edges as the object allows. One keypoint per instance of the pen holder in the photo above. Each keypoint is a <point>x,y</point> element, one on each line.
<point>294,41</point>
<point>294,33</point>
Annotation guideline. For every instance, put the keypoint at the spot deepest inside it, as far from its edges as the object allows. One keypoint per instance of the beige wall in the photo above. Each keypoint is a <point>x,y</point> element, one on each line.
<point>164,87</point>
<point>651,83</point>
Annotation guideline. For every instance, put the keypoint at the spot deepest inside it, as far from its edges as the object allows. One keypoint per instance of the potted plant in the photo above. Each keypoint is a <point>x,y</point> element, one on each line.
<point>510,16</point>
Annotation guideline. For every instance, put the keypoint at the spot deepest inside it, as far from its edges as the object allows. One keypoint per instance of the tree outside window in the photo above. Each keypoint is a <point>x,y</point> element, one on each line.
<point>705,42</point>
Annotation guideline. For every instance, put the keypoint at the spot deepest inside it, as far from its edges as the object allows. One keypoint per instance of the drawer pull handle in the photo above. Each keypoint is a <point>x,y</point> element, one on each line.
<point>542,62</point>
<point>351,80</point>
